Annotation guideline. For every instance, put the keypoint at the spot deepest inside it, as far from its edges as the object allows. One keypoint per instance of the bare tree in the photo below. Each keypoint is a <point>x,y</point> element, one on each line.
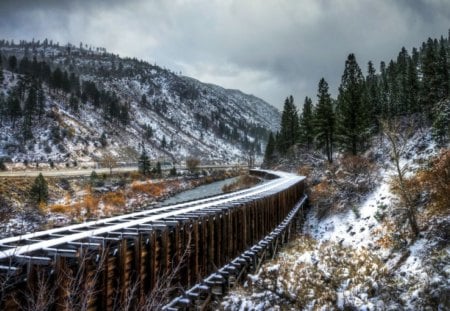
<point>398,138</point>
<point>109,161</point>
<point>192,163</point>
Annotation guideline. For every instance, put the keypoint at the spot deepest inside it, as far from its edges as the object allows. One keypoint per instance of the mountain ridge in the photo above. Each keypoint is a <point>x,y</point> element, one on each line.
<point>109,104</point>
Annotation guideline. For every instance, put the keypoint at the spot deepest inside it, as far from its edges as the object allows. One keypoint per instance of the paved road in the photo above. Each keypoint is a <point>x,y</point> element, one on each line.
<point>87,172</point>
<point>65,172</point>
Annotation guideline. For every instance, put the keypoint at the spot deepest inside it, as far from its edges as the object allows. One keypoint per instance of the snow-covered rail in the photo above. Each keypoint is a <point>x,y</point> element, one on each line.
<point>201,234</point>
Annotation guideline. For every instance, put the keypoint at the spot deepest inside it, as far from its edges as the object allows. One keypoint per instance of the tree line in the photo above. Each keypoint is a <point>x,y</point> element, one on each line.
<point>25,102</point>
<point>416,84</point>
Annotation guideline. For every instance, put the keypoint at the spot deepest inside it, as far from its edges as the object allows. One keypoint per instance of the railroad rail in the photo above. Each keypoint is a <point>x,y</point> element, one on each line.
<point>103,259</point>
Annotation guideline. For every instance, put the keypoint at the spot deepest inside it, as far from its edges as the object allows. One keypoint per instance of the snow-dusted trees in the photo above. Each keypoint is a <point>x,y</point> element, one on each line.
<point>39,190</point>
<point>398,139</point>
<point>307,124</point>
<point>352,126</point>
<point>1,70</point>
<point>324,120</point>
<point>290,128</point>
<point>144,163</point>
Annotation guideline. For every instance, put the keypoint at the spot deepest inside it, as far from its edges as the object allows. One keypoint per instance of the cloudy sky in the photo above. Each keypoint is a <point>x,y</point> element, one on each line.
<point>269,48</point>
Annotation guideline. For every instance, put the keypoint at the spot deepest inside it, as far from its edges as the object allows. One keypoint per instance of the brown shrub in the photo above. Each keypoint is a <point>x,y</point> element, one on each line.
<point>116,199</point>
<point>358,166</point>
<point>89,203</point>
<point>322,196</point>
<point>60,208</point>
<point>152,189</point>
<point>436,181</point>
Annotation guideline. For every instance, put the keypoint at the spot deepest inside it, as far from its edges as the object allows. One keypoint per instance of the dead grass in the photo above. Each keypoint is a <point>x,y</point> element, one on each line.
<point>297,281</point>
<point>150,188</point>
<point>244,181</point>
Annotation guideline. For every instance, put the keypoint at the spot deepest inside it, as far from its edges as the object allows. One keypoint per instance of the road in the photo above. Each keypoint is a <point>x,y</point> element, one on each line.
<point>86,172</point>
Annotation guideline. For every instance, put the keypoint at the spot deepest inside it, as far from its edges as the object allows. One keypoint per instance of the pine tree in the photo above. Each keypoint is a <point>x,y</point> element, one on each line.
<point>442,72</point>
<point>441,122</point>
<point>306,123</point>
<point>270,150</point>
<point>40,102</point>
<point>413,88</point>
<point>352,127</point>
<point>2,78</point>
<point>157,169</point>
<point>290,128</point>
<point>39,190</point>
<point>430,82</point>
<point>12,63</point>
<point>383,88</point>
<point>401,73</point>
<point>13,108</point>
<point>163,142</point>
<point>373,97</point>
<point>324,120</point>
<point>144,163</point>
<point>173,171</point>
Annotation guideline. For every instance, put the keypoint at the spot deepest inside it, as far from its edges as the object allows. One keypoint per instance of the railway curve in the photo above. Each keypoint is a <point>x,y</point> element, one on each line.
<point>187,241</point>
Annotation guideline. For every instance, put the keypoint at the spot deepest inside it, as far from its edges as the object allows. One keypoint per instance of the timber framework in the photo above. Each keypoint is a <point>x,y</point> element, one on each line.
<point>196,250</point>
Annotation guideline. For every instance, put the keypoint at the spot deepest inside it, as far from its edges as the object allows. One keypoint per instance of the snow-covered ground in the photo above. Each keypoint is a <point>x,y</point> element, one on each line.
<point>347,260</point>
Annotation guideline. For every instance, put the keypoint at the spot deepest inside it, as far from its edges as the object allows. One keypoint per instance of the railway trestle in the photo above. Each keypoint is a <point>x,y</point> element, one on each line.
<point>184,254</point>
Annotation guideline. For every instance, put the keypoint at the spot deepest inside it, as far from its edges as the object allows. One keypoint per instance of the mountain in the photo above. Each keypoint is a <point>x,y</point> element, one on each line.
<point>79,103</point>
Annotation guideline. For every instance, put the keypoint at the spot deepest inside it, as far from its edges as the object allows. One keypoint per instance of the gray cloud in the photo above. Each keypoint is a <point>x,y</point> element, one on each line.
<point>269,48</point>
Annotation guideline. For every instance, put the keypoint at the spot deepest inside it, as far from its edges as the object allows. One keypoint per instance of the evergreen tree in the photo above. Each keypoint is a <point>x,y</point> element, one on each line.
<point>163,142</point>
<point>441,123</point>
<point>306,123</point>
<point>383,88</point>
<point>430,83</point>
<point>352,125</point>
<point>2,78</point>
<point>290,128</point>
<point>13,108</point>
<point>324,120</point>
<point>442,72</point>
<point>29,112</point>
<point>373,97</point>
<point>39,190</point>
<point>12,63</point>
<point>393,90</point>
<point>401,74</point>
<point>270,150</point>
<point>40,102</point>
<point>413,88</point>
<point>173,171</point>
<point>144,163</point>
<point>157,170</point>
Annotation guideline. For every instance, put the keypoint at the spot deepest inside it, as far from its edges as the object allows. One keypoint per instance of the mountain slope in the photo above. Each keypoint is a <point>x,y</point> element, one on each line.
<point>97,103</point>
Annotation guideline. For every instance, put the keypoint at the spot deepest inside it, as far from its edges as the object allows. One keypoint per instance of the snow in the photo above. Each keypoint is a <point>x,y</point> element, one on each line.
<point>284,181</point>
<point>177,122</point>
<point>345,248</point>
<point>360,229</point>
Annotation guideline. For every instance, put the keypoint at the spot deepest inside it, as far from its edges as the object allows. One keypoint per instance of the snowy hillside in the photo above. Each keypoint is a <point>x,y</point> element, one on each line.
<point>173,116</point>
<point>359,255</point>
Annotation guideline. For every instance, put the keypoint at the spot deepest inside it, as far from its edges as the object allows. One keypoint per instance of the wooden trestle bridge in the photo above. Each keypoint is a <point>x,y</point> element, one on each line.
<point>191,252</point>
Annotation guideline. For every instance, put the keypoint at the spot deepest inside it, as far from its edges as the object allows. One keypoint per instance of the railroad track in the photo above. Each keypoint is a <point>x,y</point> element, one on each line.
<point>37,246</point>
<point>152,240</point>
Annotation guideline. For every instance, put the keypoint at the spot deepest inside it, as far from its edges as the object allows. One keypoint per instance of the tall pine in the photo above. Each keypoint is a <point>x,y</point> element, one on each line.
<point>324,120</point>
<point>352,127</point>
<point>373,97</point>
<point>306,123</point>
<point>270,150</point>
<point>290,128</point>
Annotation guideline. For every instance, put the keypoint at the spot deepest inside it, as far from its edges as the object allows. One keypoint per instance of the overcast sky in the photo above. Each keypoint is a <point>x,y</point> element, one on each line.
<point>269,48</point>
